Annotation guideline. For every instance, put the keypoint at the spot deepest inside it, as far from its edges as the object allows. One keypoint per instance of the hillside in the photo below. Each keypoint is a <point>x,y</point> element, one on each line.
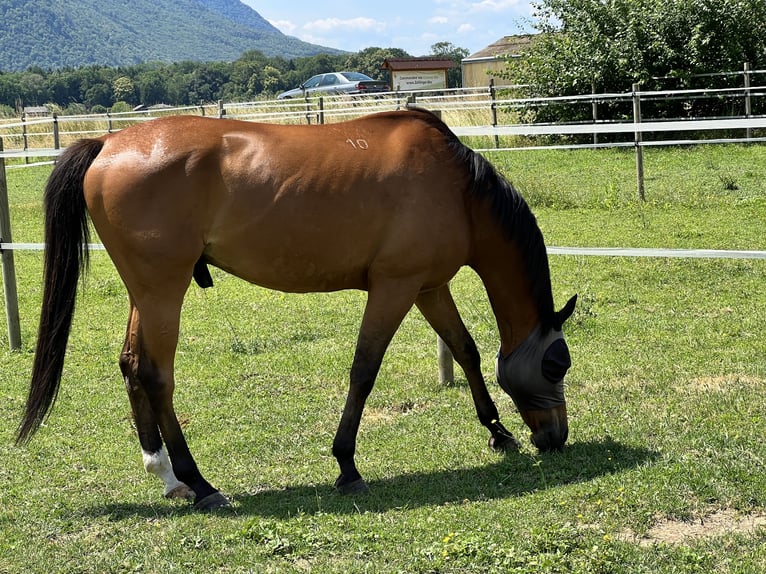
<point>114,33</point>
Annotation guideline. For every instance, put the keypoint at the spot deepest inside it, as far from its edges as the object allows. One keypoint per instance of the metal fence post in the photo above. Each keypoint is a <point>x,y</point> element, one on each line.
<point>308,109</point>
<point>56,135</point>
<point>493,108</point>
<point>9,270</point>
<point>638,138</point>
<point>594,110</point>
<point>748,103</point>
<point>24,135</point>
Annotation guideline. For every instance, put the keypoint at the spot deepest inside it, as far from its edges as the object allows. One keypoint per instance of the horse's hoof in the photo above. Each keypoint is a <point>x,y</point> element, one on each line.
<point>181,491</point>
<point>212,502</point>
<point>504,443</point>
<point>355,487</point>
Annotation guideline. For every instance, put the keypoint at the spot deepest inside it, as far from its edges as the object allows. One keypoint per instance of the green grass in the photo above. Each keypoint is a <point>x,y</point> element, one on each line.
<point>666,400</point>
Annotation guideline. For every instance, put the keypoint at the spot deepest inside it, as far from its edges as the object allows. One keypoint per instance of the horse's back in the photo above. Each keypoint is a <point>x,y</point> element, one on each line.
<point>297,208</point>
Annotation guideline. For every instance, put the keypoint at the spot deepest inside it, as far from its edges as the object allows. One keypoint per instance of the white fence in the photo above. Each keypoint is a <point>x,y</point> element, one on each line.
<point>470,112</point>
<point>491,115</point>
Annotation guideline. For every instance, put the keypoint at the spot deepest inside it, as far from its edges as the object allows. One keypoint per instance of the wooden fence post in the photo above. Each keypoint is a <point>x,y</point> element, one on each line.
<point>638,138</point>
<point>9,270</point>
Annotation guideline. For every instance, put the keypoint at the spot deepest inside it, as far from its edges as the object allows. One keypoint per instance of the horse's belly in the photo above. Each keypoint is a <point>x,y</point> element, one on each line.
<point>302,242</point>
<point>324,264</point>
<point>291,270</point>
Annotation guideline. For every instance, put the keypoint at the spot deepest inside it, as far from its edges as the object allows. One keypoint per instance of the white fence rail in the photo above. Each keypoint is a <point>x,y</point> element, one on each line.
<point>489,112</point>
<point>453,105</point>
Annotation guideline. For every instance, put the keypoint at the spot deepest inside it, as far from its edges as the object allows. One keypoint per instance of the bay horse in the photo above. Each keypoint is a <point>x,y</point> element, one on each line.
<point>392,203</point>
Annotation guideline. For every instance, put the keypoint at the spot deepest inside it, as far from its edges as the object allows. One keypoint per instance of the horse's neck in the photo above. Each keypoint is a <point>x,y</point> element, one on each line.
<point>500,265</point>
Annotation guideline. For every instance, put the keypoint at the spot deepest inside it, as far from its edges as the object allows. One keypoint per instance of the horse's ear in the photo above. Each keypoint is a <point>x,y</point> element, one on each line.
<point>565,312</point>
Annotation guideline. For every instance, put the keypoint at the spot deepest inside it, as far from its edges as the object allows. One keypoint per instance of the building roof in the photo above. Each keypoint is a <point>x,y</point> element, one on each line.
<point>505,46</point>
<point>417,63</point>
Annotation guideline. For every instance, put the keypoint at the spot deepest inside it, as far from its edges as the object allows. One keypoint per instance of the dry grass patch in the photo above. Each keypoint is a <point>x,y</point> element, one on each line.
<point>684,532</point>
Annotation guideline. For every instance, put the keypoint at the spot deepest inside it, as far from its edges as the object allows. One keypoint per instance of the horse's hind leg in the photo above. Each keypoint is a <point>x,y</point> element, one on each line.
<point>151,342</point>
<point>440,311</point>
<point>155,458</point>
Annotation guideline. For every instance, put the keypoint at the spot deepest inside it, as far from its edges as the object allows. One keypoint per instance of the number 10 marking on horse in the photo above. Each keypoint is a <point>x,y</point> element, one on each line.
<point>358,144</point>
<point>279,207</point>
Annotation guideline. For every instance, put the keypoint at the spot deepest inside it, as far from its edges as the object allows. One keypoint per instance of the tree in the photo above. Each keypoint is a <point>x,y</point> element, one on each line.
<point>610,44</point>
<point>271,80</point>
<point>123,89</point>
<point>152,87</point>
<point>449,51</point>
<point>33,90</point>
<point>370,61</point>
<point>99,95</point>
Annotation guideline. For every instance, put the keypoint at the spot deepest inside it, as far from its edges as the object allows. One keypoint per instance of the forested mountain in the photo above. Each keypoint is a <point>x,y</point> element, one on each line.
<point>48,35</point>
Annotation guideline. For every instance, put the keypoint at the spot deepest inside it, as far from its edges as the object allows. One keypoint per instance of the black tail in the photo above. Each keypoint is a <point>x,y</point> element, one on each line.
<point>66,256</point>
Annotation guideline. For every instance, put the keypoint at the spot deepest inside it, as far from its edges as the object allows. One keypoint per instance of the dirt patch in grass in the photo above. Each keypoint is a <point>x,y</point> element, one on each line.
<point>678,532</point>
<point>718,384</point>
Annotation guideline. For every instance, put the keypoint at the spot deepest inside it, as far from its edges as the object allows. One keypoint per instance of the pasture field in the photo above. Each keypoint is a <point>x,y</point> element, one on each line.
<point>665,470</point>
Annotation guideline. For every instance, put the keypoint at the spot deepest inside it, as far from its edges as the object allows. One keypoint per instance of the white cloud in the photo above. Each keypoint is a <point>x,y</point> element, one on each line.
<point>326,25</point>
<point>284,26</point>
<point>493,5</point>
<point>465,29</point>
<point>439,20</point>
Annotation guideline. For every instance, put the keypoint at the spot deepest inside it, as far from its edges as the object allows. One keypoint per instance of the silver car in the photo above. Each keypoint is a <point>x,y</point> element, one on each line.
<point>336,83</point>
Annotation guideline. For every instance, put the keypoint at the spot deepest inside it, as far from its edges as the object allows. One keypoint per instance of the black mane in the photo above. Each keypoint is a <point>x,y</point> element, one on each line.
<point>513,213</point>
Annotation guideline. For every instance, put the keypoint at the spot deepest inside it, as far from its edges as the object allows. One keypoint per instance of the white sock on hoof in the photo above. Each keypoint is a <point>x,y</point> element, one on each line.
<point>158,463</point>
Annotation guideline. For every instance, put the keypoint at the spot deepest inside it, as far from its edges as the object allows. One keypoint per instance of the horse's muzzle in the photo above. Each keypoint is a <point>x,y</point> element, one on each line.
<point>549,427</point>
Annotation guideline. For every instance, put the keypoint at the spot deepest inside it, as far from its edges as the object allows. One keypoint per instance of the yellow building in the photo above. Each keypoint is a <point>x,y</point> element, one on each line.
<point>490,62</point>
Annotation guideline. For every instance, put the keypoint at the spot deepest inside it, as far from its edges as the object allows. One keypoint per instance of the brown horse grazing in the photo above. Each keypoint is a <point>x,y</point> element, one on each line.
<point>391,203</point>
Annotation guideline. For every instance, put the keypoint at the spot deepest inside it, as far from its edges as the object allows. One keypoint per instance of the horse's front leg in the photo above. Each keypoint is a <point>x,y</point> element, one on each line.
<point>387,304</point>
<point>439,309</point>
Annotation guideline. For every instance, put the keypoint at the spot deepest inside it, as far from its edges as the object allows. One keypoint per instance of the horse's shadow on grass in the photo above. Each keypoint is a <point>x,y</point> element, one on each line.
<point>513,475</point>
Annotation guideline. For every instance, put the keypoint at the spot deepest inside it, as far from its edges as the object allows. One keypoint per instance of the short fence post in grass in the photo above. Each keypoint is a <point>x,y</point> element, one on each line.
<point>493,108</point>
<point>638,138</point>
<point>320,116</point>
<point>748,104</point>
<point>221,109</point>
<point>9,270</point>
<point>446,366</point>
<point>594,109</point>
<point>56,140</point>
<point>24,134</point>
<point>308,108</point>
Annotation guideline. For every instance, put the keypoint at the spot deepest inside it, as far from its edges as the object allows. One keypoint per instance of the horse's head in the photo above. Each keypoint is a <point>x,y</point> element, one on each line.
<point>533,375</point>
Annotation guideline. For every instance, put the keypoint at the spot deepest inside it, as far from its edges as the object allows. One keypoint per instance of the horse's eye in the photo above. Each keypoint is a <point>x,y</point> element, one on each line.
<point>556,361</point>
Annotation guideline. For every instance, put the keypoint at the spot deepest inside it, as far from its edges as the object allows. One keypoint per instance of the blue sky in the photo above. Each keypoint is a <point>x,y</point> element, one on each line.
<point>413,25</point>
